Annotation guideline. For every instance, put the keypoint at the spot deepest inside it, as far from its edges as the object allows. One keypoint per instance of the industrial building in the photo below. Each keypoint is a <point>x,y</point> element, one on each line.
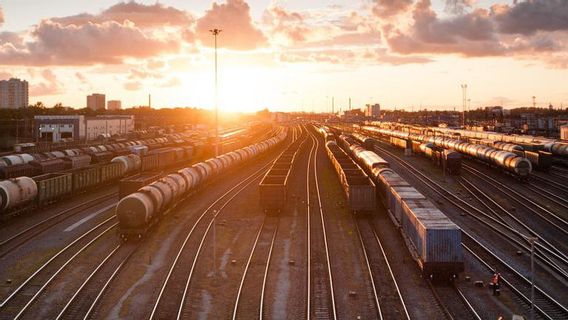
<point>96,101</point>
<point>13,94</point>
<point>80,127</point>
<point>114,105</point>
<point>373,111</point>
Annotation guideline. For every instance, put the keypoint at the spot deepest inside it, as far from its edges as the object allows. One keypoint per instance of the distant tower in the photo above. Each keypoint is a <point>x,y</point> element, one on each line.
<point>332,105</point>
<point>150,101</point>
<point>349,103</point>
<point>534,101</point>
<point>464,95</point>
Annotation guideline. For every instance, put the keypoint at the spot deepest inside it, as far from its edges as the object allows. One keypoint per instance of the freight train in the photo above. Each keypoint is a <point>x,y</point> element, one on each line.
<point>507,161</point>
<point>434,240</point>
<point>36,187</point>
<point>138,211</point>
<point>529,143</point>
<point>24,192</point>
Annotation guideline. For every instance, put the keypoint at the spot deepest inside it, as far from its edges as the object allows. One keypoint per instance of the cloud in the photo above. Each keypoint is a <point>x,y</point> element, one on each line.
<point>133,86</point>
<point>351,57</point>
<point>528,17</point>
<point>1,16</point>
<point>288,24</point>
<point>471,34</point>
<point>50,85</point>
<point>141,15</point>
<point>458,6</point>
<point>388,8</point>
<point>239,31</point>
<point>107,42</point>
<point>14,39</point>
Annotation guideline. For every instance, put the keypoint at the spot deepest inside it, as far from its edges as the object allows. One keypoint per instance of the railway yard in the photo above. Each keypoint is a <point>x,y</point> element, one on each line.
<point>299,221</point>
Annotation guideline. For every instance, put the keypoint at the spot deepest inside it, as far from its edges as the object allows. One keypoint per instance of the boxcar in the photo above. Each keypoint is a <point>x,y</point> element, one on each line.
<point>53,186</point>
<point>17,170</point>
<point>86,178</point>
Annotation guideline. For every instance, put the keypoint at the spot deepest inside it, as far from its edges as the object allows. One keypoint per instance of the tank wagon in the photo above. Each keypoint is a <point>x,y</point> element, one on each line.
<point>507,161</point>
<point>140,210</point>
<point>273,188</point>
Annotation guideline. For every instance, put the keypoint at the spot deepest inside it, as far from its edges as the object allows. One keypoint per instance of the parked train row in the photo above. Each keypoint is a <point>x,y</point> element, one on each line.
<point>25,192</point>
<point>273,188</point>
<point>30,165</point>
<point>433,238</point>
<point>508,161</point>
<point>526,142</point>
<point>140,210</point>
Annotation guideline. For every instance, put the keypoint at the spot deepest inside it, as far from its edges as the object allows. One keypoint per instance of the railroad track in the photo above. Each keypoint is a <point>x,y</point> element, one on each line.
<point>252,286</point>
<point>545,305</point>
<point>320,293</point>
<point>385,291</point>
<point>82,304</point>
<point>551,183</point>
<point>453,302</point>
<point>546,251</point>
<point>18,301</point>
<point>24,236</point>
<point>552,218</point>
<point>169,303</point>
<point>437,188</point>
<point>255,273</point>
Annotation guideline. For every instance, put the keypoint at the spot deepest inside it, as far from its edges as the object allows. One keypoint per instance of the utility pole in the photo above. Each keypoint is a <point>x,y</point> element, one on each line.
<point>464,101</point>
<point>215,33</point>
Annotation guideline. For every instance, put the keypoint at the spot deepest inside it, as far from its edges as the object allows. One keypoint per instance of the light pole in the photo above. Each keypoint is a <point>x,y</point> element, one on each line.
<point>215,33</point>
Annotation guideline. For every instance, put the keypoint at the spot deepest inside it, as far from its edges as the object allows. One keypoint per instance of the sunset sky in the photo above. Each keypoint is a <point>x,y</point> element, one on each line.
<point>289,55</point>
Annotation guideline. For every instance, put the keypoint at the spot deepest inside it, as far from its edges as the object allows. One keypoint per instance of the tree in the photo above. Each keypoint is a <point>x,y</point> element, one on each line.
<point>39,105</point>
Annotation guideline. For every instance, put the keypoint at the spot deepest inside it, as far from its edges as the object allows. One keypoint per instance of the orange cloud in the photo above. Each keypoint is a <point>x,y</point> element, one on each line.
<point>50,85</point>
<point>1,16</point>
<point>239,31</point>
<point>141,15</point>
<point>108,42</point>
<point>388,8</point>
<point>470,34</point>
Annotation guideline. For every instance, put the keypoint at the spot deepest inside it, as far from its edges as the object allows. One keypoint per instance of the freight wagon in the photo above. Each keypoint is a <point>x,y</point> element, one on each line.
<point>540,160</point>
<point>140,210</point>
<point>359,189</point>
<point>273,188</point>
<point>433,239</point>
